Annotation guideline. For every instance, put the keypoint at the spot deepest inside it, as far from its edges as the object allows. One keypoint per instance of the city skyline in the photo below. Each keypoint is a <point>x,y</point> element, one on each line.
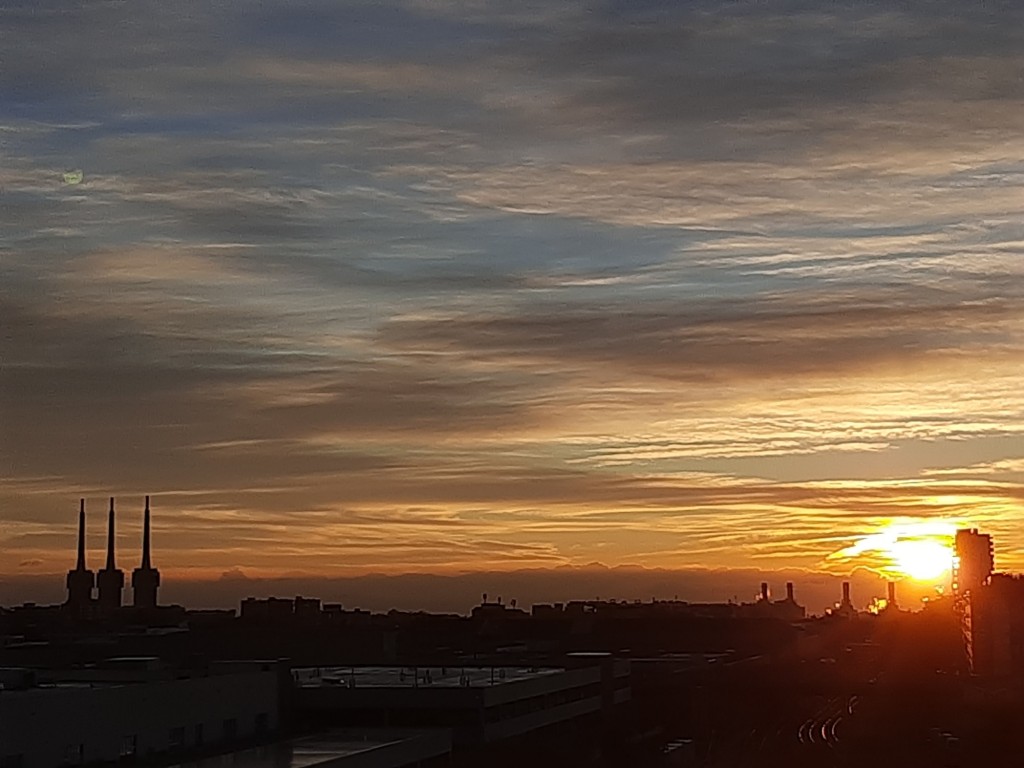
<point>98,594</point>
<point>448,287</point>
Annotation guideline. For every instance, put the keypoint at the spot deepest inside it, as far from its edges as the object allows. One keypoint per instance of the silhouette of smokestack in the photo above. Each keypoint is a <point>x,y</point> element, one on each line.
<point>110,580</point>
<point>81,580</point>
<point>80,564</point>
<point>892,594</point>
<point>145,538</point>
<point>110,566</point>
<point>846,593</point>
<point>789,592</point>
<point>145,578</point>
<point>764,591</point>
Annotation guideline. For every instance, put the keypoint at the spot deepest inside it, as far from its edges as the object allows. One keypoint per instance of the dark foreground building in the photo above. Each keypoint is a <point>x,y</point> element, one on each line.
<point>481,705</point>
<point>382,748</point>
<point>132,708</point>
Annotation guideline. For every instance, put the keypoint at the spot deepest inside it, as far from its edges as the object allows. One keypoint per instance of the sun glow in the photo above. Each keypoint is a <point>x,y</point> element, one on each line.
<point>922,559</point>
<point>918,550</point>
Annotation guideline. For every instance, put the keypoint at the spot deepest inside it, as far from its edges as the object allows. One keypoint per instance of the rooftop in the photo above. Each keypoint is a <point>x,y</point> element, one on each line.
<point>333,749</point>
<point>414,677</point>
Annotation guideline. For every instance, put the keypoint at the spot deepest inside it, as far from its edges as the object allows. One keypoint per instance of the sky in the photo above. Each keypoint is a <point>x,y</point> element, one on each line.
<point>456,286</point>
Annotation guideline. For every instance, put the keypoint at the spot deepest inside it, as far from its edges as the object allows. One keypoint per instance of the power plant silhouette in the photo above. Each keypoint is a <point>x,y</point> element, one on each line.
<point>109,582</point>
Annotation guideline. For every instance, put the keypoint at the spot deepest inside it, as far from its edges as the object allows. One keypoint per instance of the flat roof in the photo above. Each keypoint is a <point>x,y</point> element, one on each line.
<point>50,687</point>
<point>416,677</point>
<point>333,748</point>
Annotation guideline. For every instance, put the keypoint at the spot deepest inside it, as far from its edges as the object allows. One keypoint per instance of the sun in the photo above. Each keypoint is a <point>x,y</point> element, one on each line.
<point>922,559</point>
<point>920,550</point>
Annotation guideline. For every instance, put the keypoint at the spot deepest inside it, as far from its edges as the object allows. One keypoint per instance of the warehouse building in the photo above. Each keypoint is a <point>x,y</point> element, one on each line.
<point>133,708</point>
<point>481,705</point>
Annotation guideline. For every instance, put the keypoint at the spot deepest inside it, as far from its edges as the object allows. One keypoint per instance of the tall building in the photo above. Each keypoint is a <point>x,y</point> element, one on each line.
<point>81,580</point>
<point>974,560</point>
<point>110,580</point>
<point>991,623</point>
<point>145,578</point>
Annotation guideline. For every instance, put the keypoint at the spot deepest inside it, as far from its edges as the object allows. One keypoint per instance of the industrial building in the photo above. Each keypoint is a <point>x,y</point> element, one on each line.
<point>382,748</point>
<point>481,705</point>
<point>109,581</point>
<point>133,708</point>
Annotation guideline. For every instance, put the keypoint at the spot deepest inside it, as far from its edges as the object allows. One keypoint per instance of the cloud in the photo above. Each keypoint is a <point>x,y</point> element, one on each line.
<point>458,285</point>
<point>764,198</point>
<point>783,336</point>
<point>144,391</point>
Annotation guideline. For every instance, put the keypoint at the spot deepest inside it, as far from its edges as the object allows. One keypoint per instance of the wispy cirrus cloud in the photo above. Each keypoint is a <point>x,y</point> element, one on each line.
<point>449,285</point>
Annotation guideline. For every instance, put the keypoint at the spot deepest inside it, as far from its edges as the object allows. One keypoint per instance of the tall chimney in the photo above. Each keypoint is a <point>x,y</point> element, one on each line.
<point>110,580</point>
<point>764,591</point>
<point>80,581</point>
<point>145,578</point>
<point>892,594</point>
<point>789,592</point>
<point>80,565</point>
<point>145,538</point>
<point>846,593</point>
<point>110,566</point>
